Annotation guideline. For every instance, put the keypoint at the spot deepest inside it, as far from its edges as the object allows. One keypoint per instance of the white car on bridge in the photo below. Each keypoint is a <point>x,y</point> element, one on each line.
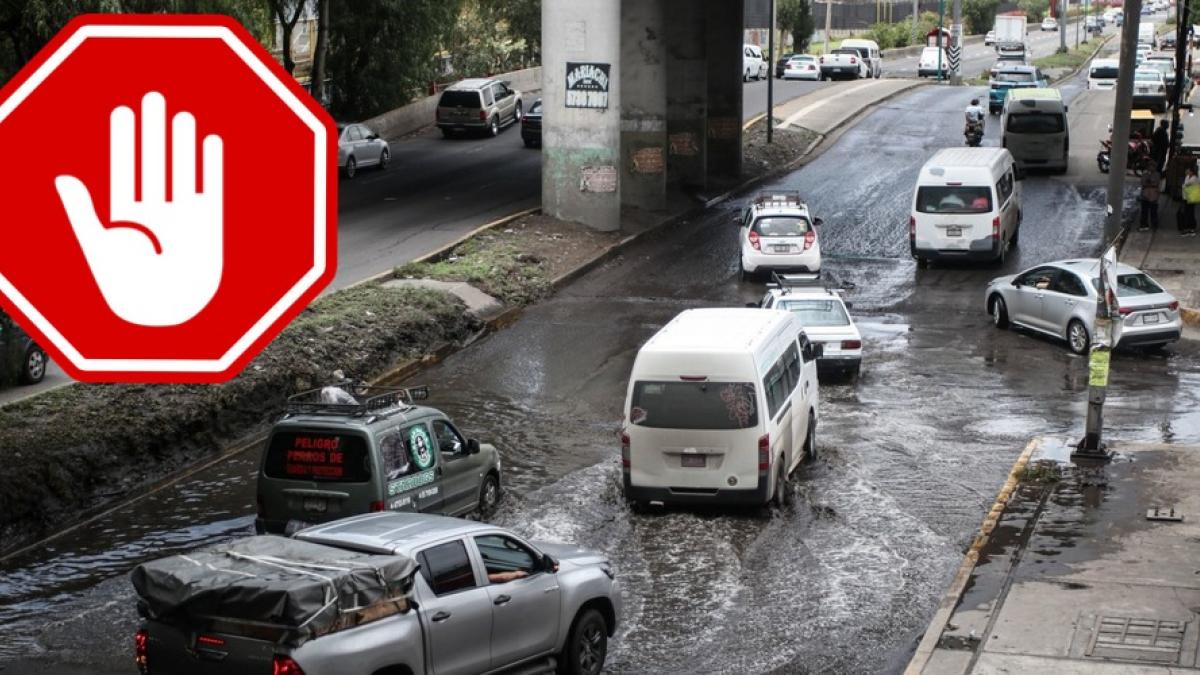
<point>778,235</point>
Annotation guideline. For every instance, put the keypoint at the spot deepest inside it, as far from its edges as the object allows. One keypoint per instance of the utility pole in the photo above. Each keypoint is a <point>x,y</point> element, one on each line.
<point>1086,33</point>
<point>1062,26</point>
<point>1183,21</point>
<point>941,24</point>
<point>771,77</point>
<point>916,15</point>
<point>956,32</point>
<point>1092,445</point>
<point>828,24</point>
<point>1120,124</point>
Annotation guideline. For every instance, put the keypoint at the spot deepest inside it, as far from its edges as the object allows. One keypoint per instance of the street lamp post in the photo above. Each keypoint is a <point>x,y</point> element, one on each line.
<point>941,27</point>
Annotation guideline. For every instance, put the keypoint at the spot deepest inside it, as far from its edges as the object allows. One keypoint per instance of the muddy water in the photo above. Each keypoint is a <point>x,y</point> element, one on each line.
<point>844,579</point>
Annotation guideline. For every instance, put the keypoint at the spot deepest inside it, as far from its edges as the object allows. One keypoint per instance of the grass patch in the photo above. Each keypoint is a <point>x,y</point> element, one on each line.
<point>1070,59</point>
<point>1042,472</point>
<point>492,262</point>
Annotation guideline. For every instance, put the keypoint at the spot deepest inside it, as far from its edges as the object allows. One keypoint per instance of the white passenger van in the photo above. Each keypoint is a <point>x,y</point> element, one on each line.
<point>721,408</point>
<point>966,206</point>
<point>870,53</point>
<point>1103,74</point>
<point>1036,130</point>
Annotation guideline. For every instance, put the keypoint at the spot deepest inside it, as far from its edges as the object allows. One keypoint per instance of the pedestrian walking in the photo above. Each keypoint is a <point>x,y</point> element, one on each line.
<point>1160,143</point>
<point>1191,197</point>
<point>1151,185</point>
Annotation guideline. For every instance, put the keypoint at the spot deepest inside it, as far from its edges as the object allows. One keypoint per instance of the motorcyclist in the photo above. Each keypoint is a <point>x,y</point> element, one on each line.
<point>974,115</point>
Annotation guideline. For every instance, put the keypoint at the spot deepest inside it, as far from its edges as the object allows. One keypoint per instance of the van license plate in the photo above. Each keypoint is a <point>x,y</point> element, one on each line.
<point>954,231</point>
<point>314,505</point>
<point>693,461</point>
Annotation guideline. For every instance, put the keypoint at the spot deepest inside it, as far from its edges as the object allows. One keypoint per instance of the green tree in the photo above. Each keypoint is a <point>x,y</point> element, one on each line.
<point>381,53</point>
<point>1034,9</point>
<point>980,15</point>
<point>521,21</point>
<point>795,16</point>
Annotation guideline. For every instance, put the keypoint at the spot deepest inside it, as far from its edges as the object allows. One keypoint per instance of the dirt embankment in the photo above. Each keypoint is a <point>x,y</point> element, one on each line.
<point>82,446</point>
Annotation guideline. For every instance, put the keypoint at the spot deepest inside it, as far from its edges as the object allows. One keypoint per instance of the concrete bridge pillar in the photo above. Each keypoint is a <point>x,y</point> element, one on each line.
<point>687,92</point>
<point>581,97</point>
<point>643,104</point>
<point>724,39</point>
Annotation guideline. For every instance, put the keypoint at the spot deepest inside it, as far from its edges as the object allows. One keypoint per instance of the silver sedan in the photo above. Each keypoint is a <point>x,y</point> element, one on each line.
<point>358,147</point>
<point>1059,299</point>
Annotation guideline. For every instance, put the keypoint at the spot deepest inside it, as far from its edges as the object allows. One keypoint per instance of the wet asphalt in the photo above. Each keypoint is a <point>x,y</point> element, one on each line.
<point>844,580</point>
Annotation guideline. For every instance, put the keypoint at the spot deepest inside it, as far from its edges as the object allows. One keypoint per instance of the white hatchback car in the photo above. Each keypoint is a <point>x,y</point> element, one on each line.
<point>1059,299</point>
<point>1049,23</point>
<point>778,235</point>
<point>825,317</point>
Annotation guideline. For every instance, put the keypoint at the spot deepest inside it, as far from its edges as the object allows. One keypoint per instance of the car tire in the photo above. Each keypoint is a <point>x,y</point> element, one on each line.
<point>1016,236</point>
<point>922,263</point>
<point>351,168</point>
<point>999,311</point>
<point>587,645</point>
<point>810,439</point>
<point>385,158</point>
<point>447,133</point>
<point>494,127</point>
<point>33,366</point>
<point>529,143</point>
<point>780,499</point>
<point>517,113</point>
<point>1078,339</point>
<point>489,497</point>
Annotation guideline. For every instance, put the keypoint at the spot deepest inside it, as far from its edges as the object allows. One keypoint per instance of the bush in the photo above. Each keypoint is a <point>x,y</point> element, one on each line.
<point>1034,9</point>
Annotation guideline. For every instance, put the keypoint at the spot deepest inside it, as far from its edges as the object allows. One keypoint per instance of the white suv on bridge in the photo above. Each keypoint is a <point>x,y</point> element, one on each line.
<point>778,235</point>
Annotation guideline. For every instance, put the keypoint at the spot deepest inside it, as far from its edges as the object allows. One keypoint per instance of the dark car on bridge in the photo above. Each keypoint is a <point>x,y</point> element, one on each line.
<point>781,65</point>
<point>21,359</point>
<point>531,125</point>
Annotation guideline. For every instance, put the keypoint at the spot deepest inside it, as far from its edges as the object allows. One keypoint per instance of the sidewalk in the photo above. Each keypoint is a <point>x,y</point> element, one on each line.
<point>1077,574</point>
<point>1171,259</point>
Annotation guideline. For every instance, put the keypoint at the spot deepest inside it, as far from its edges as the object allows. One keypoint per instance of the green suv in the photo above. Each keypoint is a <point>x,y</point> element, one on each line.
<point>350,449</point>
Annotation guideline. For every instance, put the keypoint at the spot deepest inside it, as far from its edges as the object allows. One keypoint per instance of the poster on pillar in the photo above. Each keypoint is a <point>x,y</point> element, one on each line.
<point>587,85</point>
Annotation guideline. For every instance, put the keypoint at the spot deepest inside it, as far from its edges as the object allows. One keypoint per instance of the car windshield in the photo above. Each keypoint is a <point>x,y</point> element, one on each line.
<point>694,405</point>
<point>1035,123</point>
<point>1010,76</point>
<point>954,199</point>
<point>1105,72</point>
<point>817,312</point>
<point>802,59</point>
<point>781,226</point>
<point>1128,285</point>
<point>459,99</point>
<point>318,456</point>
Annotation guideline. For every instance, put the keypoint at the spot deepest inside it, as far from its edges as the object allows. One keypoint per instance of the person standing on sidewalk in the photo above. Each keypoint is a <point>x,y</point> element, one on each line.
<point>1160,143</point>
<point>1191,197</point>
<point>1151,183</point>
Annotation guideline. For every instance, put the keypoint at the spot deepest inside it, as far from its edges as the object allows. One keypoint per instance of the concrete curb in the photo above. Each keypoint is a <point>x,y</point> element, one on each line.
<point>933,634</point>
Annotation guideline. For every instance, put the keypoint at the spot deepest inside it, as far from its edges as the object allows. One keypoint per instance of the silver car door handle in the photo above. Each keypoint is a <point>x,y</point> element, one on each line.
<point>550,590</point>
<point>502,600</point>
<point>440,616</point>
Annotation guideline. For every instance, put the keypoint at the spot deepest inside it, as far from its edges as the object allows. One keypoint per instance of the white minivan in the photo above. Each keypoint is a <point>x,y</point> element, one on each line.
<point>869,49</point>
<point>1103,74</point>
<point>966,206</point>
<point>721,409</point>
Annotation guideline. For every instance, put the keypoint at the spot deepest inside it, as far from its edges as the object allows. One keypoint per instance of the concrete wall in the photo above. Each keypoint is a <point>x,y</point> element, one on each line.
<point>416,115</point>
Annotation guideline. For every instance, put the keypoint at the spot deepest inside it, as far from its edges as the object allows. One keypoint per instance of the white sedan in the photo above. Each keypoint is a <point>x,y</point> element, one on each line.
<point>990,38</point>
<point>802,67</point>
<point>1049,23</point>
<point>825,318</point>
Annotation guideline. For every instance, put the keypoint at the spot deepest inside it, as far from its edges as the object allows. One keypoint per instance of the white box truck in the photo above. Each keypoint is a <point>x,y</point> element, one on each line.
<point>1010,28</point>
<point>1146,34</point>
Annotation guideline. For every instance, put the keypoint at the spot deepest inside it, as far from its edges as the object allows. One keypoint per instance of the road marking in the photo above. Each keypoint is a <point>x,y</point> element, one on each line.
<point>794,117</point>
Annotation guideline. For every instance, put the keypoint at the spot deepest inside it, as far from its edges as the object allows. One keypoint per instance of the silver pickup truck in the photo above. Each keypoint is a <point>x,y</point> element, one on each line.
<point>378,594</point>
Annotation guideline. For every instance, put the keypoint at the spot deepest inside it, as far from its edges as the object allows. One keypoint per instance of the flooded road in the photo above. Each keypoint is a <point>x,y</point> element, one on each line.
<point>843,580</point>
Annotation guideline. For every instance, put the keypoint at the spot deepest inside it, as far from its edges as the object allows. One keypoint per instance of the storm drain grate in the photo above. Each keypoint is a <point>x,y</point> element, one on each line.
<point>1130,639</point>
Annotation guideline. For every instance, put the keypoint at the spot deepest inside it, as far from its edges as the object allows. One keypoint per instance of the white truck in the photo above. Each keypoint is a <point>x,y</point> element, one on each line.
<point>1010,29</point>
<point>1146,34</point>
<point>844,62</point>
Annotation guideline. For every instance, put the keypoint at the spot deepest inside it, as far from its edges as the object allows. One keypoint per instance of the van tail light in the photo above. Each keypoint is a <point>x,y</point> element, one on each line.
<point>912,228</point>
<point>764,453</point>
<point>851,344</point>
<point>853,60</point>
<point>375,507</point>
<point>996,227</point>
<point>624,450</point>
<point>482,115</point>
<point>809,238</point>
<point>1125,310</point>
<point>210,641</point>
<point>754,241</point>
<point>140,640</point>
<point>1174,306</point>
<point>284,665</point>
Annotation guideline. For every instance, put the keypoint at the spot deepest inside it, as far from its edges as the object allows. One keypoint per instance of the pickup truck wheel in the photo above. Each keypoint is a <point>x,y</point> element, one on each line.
<point>489,497</point>
<point>810,440</point>
<point>587,645</point>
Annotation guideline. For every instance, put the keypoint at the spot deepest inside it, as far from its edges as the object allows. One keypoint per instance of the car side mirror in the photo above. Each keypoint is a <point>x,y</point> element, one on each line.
<point>549,564</point>
<point>818,222</point>
<point>849,305</point>
<point>1016,283</point>
<point>472,446</point>
<point>1018,173</point>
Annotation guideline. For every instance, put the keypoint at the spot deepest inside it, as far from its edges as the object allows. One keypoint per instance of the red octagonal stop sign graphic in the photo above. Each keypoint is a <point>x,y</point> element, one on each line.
<point>169,198</point>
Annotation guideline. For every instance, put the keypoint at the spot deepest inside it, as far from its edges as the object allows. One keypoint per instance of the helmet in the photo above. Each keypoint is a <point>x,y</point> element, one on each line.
<point>974,101</point>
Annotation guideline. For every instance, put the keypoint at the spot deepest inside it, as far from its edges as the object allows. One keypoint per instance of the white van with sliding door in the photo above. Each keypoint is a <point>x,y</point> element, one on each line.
<point>1103,74</point>
<point>966,206</point>
<point>721,408</point>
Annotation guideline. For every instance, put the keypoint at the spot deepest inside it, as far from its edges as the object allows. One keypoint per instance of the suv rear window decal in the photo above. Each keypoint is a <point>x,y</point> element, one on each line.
<point>420,446</point>
<point>317,457</point>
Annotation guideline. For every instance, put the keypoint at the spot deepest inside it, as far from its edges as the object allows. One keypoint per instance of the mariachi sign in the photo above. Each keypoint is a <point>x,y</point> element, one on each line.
<point>587,85</point>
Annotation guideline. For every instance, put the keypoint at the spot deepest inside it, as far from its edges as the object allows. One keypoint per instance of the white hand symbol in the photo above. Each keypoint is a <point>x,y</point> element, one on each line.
<point>157,262</point>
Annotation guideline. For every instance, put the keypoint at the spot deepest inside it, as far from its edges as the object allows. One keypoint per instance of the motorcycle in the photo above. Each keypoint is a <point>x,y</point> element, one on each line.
<point>974,134</point>
<point>1139,159</point>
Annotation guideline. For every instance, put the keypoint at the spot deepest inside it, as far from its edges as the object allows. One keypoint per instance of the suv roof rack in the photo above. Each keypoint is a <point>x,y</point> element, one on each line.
<point>779,198</point>
<point>361,399</point>
<point>786,282</point>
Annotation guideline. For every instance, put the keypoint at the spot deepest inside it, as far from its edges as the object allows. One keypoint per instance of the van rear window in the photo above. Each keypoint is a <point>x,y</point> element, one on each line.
<point>954,199</point>
<point>694,405</point>
<point>1035,123</point>
<point>1104,73</point>
<point>459,99</point>
<point>318,457</point>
